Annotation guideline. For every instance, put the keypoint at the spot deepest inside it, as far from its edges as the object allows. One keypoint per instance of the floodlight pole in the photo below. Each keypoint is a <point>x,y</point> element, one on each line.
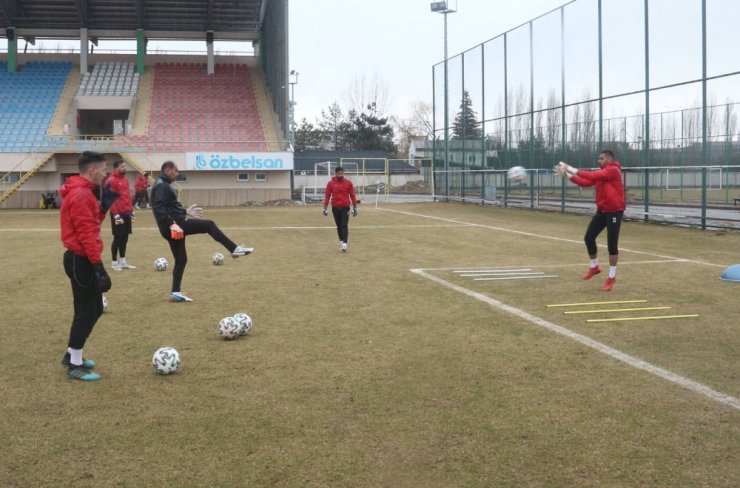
<point>293,82</point>
<point>442,8</point>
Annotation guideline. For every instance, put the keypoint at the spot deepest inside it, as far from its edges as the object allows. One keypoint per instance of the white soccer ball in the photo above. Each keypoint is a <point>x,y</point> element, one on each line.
<point>166,360</point>
<point>228,328</point>
<point>218,258</point>
<point>105,304</point>
<point>517,174</point>
<point>160,264</point>
<point>245,323</point>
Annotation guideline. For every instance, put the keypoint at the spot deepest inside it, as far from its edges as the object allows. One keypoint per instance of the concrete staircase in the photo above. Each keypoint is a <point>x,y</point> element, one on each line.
<point>268,119</point>
<point>143,102</point>
<point>65,103</point>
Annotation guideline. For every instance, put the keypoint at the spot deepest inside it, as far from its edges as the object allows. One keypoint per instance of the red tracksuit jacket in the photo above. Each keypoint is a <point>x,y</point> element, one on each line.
<point>609,186</point>
<point>119,183</point>
<point>341,192</point>
<point>80,218</point>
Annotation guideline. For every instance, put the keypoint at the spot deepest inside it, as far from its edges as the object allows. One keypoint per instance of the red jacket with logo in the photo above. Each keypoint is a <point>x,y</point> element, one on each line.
<point>80,218</point>
<point>609,186</point>
<point>119,183</point>
<point>341,192</point>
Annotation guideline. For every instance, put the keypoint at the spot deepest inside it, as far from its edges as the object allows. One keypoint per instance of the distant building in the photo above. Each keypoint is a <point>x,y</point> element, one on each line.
<point>462,153</point>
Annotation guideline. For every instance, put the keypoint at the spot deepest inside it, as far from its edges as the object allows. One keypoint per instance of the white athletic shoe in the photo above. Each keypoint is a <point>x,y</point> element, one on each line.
<point>344,247</point>
<point>122,264</point>
<point>241,251</point>
<point>115,266</point>
<point>176,296</point>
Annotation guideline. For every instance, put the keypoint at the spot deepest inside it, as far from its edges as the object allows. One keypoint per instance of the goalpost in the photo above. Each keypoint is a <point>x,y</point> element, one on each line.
<point>373,177</point>
<point>322,173</point>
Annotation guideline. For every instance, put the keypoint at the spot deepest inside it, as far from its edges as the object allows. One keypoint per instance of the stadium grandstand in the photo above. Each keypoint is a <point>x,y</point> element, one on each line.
<point>221,115</point>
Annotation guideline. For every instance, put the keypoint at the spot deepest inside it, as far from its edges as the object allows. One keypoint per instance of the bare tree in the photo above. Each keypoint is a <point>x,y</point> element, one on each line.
<point>364,93</point>
<point>417,126</point>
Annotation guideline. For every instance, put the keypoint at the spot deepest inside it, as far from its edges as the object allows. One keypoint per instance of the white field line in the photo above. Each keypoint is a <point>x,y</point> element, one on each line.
<point>609,310</point>
<point>502,270</point>
<point>515,273</point>
<point>458,269</point>
<point>553,238</point>
<point>481,275</point>
<point>516,278</point>
<point>587,341</point>
<point>276,227</point>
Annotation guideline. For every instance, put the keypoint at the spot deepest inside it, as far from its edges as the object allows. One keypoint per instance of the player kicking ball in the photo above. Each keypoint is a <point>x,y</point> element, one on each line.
<point>610,205</point>
<point>175,223</point>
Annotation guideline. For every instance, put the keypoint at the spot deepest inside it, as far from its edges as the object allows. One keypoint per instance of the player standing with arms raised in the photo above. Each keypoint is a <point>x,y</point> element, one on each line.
<point>610,207</point>
<point>341,192</point>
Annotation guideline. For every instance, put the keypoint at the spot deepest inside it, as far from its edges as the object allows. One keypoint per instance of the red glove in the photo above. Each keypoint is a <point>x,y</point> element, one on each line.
<point>176,232</point>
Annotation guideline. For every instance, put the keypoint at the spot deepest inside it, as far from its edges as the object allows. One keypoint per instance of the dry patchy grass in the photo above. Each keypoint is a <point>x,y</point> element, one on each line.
<point>361,373</point>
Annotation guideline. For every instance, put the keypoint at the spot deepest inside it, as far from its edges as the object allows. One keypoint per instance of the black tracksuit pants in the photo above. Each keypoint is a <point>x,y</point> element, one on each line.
<point>341,218</point>
<point>88,302</point>
<point>180,253</point>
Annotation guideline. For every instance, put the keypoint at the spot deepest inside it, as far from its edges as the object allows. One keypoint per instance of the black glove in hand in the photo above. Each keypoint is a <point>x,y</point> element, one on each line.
<point>354,211</point>
<point>102,280</point>
<point>326,212</point>
<point>107,198</point>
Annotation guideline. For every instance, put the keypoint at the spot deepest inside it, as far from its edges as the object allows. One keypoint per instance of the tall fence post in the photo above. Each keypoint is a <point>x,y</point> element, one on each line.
<point>704,198</point>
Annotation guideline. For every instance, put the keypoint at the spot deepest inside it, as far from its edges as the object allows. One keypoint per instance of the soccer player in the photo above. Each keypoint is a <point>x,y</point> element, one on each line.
<point>610,207</point>
<point>341,192</point>
<point>80,218</point>
<point>140,191</point>
<point>121,215</point>
<point>175,223</point>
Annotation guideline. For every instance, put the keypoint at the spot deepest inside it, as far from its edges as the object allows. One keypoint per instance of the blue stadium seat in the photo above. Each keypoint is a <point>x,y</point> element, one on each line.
<point>28,99</point>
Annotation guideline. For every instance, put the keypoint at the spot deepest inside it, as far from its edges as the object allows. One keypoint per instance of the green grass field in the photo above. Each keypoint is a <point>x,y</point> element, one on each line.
<point>360,372</point>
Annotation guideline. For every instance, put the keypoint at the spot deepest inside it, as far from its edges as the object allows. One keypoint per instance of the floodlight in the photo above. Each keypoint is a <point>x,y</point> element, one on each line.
<point>439,6</point>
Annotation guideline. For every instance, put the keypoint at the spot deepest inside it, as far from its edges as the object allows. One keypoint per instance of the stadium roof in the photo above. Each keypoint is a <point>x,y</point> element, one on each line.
<point>112,19</point>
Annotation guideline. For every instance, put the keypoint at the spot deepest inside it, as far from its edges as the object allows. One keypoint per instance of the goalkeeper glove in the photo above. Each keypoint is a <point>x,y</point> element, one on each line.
<point>133,216</point>
<point>117,219</point>
<point>354,211</point>
<point>176,232</point>
<point>194,211</point>
<point>102,280</point>
<point>568,168</point>
<point>326,212</point>
<point>560,171</point>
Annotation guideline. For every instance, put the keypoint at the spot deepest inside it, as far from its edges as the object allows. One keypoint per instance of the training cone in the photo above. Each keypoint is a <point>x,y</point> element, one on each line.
<point>731,274</point>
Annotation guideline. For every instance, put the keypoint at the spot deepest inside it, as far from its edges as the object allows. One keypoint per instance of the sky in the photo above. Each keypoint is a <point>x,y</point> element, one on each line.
<point>335,43</point>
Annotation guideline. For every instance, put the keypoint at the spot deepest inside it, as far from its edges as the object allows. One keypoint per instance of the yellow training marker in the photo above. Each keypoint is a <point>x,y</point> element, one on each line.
<point>657,317</point>
<point>594,303</point>
<point>615,310</point>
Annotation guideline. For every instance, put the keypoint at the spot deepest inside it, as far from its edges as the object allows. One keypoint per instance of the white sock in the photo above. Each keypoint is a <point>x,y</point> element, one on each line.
<point>75,356</point>
<point>594,263</point>
<point>612,271</point>
<point>121,260</point>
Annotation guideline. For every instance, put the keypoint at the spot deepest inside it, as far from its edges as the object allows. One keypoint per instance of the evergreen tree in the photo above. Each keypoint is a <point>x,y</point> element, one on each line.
<point>307,137</point>
<point>466,125</point>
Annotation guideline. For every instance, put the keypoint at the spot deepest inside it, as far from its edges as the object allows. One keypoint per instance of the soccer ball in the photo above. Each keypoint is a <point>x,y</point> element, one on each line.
<point>218,258</point>
<point>245,323</point>
<point>105,304</point>
<point>160,264</point>
<point>517,174</point>
<point>166,360</point>
<point>228,328</point>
